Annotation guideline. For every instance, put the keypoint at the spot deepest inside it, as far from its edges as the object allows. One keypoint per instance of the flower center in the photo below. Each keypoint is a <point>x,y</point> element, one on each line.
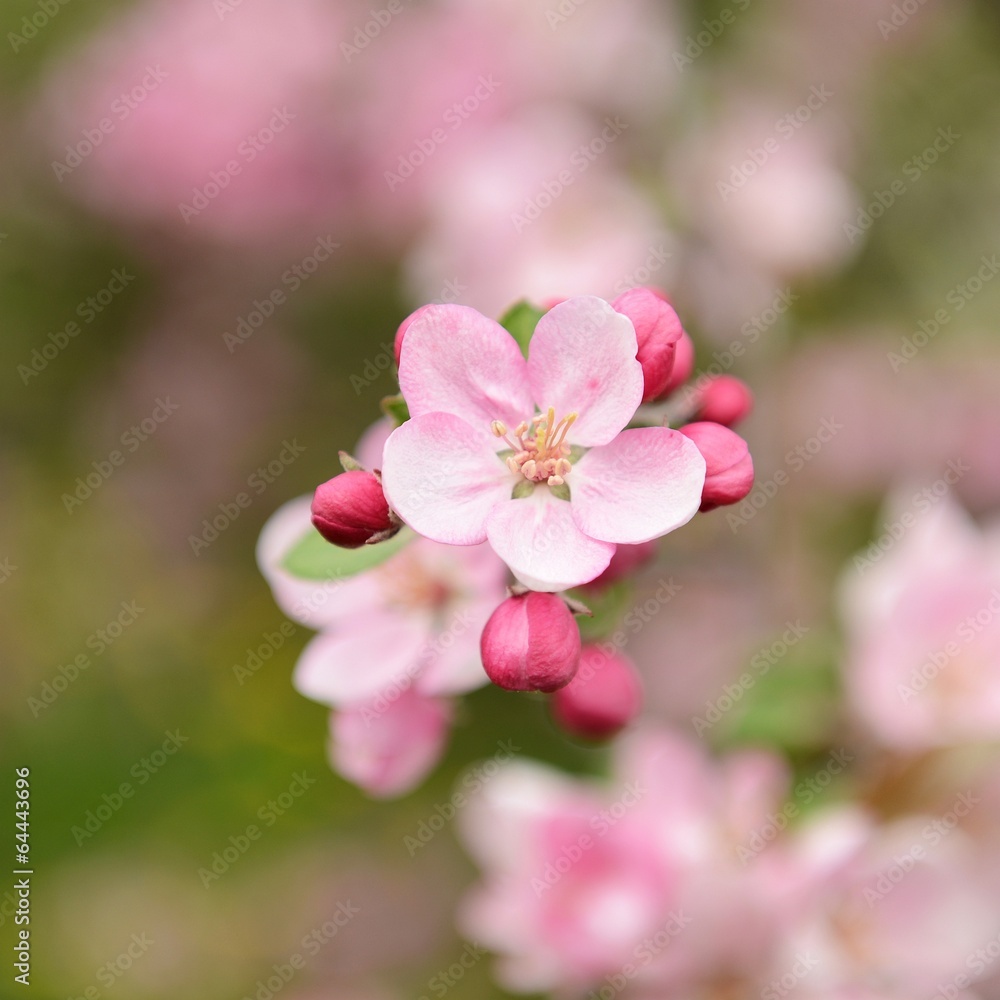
<point>407,583</point>
<point>540,450</point>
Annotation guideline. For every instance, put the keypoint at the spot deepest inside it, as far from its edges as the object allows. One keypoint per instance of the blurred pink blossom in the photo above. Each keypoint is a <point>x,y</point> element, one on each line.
<point>922,612</point>
<point>283,117</point>
<point>389,749</point>
<point>561,218</point>
<point>933,420</point>
<point>582,879</point>
<point>395,643</point>
<point>892,908</point>
<point>414,619</point>
<point>233,125</point>
<point>767,198</point>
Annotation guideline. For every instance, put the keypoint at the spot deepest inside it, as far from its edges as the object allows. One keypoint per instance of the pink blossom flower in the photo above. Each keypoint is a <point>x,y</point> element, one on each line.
<point>387,749</point>
<point>884,905</point>
<point>234,127</point>
<point>547,239</point>
<point>582,879</point>
<point>477,462</point>
<point>922,611</point>
<point>395,644</point>
<point>413,620</point>
<point>566,895</point>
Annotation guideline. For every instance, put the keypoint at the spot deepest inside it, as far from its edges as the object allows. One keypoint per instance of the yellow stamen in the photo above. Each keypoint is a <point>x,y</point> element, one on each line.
<point>540,450</point>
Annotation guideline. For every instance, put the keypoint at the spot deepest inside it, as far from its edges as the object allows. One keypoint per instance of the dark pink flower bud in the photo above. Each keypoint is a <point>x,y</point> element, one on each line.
<point>724,400</point>
<point>626,560</point>
<point>729,467</point>
<point>657,330</point>
<point>603,697</point>
<point>683,364</point>
<point>531,643</point>
<point>350,509</point>
<point>403,327</point>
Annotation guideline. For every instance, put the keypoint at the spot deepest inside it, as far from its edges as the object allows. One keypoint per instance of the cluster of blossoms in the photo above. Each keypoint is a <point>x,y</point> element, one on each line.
<point>688,876</point>
<point>545,452</point>
<point>870,875</point>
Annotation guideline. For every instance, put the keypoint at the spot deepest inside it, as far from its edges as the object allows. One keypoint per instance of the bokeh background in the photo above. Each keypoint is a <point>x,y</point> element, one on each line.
<point>213,216</point>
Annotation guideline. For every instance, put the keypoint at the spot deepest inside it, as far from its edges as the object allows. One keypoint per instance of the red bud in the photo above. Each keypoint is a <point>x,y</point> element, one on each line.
<point>657,330</point>
<point>531,643</point>
<point>683,364</point>
<point>729,467</point>
<point>603,697</point>
<point>350,509</point>
<point>724,400</point>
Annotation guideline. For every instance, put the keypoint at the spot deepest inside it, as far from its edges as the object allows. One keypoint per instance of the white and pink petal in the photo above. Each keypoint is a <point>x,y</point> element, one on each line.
<point>539,540</point>
<point>388,745</point>
<point>645,483</point>
<point>455,665</point>
<point>381,649</point>
<point>318,604</point>
<point>455,360</point>
<point>443,478</point>
<point>582,360</point>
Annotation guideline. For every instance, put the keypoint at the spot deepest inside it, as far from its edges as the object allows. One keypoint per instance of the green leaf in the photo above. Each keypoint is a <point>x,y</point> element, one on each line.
<point>791,705</point>
<point>395,408</point>
<point>314,558</point>
<point>520,322</point>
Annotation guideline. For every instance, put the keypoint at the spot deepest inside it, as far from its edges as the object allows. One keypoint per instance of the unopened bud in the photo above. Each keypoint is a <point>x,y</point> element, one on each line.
<point>728,465</point>
<point>724,400</point>
<point>657,331</point>
<point>351,509</point>
<point>531,643</point>
<point>603,697</point>
<point>683,364</point>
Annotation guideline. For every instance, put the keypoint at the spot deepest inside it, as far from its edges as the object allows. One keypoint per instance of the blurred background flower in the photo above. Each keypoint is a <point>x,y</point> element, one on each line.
<point>215,214</point>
